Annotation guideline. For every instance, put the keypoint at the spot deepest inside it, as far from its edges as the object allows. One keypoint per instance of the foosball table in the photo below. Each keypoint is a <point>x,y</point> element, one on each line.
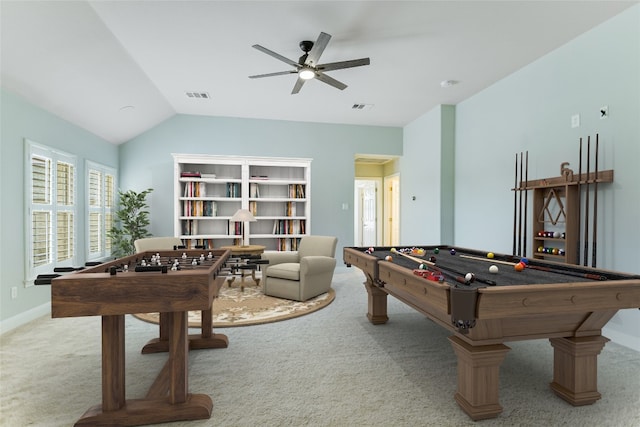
<point>169,282</point>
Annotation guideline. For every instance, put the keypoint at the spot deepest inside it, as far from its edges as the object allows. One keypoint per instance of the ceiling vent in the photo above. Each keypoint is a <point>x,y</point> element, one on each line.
<point>362,106</point>
<point>199,95</point>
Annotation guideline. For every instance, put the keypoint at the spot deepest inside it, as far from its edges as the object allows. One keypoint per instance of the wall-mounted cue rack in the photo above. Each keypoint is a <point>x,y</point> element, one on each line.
<point>565,210</point>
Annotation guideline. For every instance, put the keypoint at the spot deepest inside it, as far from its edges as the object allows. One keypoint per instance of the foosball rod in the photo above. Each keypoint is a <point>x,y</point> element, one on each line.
<point>586,206</point>
<point>595,209</point>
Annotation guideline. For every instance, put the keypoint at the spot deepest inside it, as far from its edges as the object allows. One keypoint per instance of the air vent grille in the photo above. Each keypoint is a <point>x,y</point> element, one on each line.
<point>199,95</point>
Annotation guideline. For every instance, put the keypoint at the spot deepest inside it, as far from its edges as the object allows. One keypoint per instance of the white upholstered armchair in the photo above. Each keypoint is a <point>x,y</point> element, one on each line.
<point>156,243</point>
<point>302,274</point>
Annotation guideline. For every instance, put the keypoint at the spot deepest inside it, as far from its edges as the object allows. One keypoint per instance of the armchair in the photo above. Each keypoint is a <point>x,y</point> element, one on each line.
<point>302,274</point>
<point>156,243</point>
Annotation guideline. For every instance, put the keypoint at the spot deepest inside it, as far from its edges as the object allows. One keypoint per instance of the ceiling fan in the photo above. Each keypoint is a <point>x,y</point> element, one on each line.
<point>307,67</point>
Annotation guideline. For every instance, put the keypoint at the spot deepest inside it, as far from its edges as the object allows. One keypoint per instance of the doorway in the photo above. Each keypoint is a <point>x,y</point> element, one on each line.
<point>392,210</point>
<point>368,210</point>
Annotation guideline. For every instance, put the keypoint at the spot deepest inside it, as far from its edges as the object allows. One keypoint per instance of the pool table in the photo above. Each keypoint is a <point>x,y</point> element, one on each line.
<point>568,304</point>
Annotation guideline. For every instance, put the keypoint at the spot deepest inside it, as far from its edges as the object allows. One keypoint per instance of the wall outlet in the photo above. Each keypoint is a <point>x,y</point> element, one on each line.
<point>14,292</point>
<point>575,121</point>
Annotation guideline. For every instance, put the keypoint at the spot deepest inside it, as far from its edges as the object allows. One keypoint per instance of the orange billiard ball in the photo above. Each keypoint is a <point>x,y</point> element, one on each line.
<point>519,266</point>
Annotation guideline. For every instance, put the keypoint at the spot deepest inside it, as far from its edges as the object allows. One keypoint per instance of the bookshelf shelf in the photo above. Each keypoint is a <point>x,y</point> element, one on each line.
<point>209,189</point>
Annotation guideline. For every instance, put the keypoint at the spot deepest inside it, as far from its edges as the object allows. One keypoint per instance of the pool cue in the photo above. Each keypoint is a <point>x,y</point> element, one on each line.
<point>526,183</point>
<point>496,261</point>
<point>579,204</point>
<point>515,206</point>
<point>595,209</point>
<point>450,272</point>
<point>520,209</point>
<point>586,206</point>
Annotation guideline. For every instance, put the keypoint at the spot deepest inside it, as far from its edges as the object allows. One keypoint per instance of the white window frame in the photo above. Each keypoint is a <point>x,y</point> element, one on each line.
<point>50,206</point>
<point>104,207</point>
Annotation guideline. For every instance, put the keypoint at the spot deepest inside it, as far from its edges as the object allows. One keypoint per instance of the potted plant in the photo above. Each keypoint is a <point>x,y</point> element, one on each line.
<point>131,221</point>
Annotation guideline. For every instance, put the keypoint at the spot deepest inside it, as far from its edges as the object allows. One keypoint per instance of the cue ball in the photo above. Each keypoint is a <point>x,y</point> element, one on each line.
<point>452,251</point>
<point>388,258</point>
<point>493,269</point>
<point>490,255</point>
<point>519,266</point>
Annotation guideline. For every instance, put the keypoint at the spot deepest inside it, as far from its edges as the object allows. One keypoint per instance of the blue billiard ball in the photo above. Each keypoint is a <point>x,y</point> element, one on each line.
<point>452,251</point>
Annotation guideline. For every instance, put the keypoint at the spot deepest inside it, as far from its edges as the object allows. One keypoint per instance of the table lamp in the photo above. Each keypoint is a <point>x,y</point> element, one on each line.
<point>243,215</point>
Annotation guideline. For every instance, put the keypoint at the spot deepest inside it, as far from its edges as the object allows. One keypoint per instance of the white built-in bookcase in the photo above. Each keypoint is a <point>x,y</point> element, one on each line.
<point>275,189</point>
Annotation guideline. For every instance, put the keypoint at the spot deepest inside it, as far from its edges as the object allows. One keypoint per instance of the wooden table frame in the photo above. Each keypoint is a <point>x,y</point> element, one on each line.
<point>570,315</point>
<point>96,292</point>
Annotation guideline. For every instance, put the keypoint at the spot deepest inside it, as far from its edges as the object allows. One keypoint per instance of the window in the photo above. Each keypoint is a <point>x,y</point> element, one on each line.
<point>51,208</point>
<point>101,192</point>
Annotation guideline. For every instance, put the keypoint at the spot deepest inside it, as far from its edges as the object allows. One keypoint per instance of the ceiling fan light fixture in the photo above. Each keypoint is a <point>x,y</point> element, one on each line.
<point>306,74</point>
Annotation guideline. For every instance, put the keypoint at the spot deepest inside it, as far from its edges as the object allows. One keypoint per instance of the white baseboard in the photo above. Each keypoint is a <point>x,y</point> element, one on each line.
<point>24,318</point>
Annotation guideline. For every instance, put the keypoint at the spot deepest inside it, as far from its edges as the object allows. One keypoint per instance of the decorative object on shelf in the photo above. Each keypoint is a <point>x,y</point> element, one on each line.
<point>131,222</point>
<point>242,216</point>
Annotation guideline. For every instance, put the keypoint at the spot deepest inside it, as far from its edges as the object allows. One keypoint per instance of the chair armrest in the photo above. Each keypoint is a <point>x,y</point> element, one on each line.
<point>316,264</point>
<point>279,257</point>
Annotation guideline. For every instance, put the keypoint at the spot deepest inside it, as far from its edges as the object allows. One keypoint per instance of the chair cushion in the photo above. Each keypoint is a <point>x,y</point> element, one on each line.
<point>287,270</point>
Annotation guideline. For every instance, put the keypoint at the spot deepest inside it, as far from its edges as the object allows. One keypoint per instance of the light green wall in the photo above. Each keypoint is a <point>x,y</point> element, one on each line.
<point>20,120</point>
<point>428,175</point>
<point>531,110</point>
<point>146,161</point>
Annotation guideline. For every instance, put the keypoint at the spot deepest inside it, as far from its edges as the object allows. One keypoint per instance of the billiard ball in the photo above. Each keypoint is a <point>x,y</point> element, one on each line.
<point>436,251</point>
<point>452,251</point>
<point>422,267</point>
<point>493,269</point>
<point>432,259</point>
<point>519,266</point>
<point>540,249</point>
<point>556,234</point>
<point>525,261</point>
<point>490,255</point>
<point>469,277</point>
<point>388,258</point>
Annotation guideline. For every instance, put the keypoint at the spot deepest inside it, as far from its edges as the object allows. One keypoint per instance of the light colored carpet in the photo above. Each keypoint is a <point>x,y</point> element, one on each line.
<point>236,307</point>
<point>330,368</point>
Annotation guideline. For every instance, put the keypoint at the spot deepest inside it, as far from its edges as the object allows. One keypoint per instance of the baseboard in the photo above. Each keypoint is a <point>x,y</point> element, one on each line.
<point>24,318</point>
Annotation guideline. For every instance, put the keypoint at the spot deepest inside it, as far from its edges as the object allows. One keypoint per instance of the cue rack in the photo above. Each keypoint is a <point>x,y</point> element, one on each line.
<point>565,208</point>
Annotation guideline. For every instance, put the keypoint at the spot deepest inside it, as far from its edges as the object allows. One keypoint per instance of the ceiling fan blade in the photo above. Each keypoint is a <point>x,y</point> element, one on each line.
<point>330,81</point>
<point>298,86</point>
<point>343,64</point>
<point>279,73</point>
<point>317,49</point>
<point>276,55</point>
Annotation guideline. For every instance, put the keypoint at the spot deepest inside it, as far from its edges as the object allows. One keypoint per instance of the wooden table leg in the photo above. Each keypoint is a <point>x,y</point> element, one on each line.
<point>478,378</point>
<point>575,368</point>
<point>113,369</point>
<point>377,298</point>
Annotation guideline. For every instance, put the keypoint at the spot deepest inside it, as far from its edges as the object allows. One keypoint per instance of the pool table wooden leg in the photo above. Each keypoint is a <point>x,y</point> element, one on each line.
<point>478,378</point>
<point>575,368</point>
<point>377,313</point>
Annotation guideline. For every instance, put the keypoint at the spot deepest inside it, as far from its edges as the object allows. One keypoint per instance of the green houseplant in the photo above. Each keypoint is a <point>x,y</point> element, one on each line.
<point>131,222</point>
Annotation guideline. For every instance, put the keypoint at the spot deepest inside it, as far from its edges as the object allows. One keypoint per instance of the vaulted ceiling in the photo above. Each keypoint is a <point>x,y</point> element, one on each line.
<point>118,68</point>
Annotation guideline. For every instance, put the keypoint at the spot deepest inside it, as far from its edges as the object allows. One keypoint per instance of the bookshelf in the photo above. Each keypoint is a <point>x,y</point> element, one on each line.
<point>209,189</point>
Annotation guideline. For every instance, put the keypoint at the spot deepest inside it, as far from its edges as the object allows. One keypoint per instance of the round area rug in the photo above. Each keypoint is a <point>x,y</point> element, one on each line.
<point>234,307</point>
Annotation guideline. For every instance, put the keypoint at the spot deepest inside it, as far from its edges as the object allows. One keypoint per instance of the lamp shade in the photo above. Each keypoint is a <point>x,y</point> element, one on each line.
<point>243,215</point>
